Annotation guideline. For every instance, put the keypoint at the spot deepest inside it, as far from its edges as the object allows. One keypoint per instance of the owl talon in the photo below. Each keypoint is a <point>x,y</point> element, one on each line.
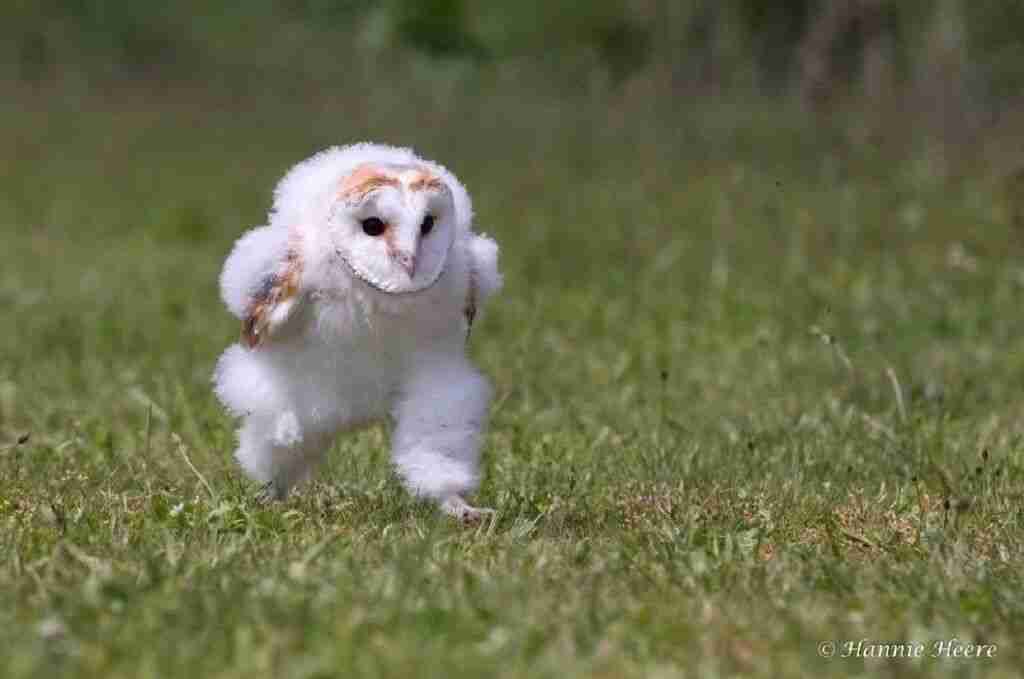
<point>458,508</point>
<point>269,492</point>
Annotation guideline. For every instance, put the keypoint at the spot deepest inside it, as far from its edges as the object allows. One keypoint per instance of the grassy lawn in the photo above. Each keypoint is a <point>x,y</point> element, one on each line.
<point>757,389</point>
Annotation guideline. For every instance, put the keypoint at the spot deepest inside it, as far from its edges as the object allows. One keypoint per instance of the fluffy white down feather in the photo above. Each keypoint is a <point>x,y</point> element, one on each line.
<point>483,252</point>
<point>343,353</point>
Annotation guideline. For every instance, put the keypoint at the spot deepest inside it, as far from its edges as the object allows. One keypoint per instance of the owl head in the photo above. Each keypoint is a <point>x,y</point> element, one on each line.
<point>383,213</point>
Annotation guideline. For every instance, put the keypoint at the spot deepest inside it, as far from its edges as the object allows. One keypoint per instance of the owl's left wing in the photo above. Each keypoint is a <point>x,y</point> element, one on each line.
<point>484,277</point>
<point>273,303</point>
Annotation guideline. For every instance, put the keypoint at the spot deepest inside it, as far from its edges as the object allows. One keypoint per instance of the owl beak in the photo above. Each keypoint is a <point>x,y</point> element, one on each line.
<point>407,261</point>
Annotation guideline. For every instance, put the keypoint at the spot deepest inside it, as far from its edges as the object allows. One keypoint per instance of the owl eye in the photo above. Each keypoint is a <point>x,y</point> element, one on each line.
<point>373,226</point>
<point>428,225</point>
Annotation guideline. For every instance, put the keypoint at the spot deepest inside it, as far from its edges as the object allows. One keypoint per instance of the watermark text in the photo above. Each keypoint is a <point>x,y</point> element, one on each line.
<point>951,648</point>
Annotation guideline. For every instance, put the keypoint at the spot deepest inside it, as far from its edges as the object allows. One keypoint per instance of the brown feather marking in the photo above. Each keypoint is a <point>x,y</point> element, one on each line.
<point>278,287</point>
<point>470,309</point>
<point>364,179</point>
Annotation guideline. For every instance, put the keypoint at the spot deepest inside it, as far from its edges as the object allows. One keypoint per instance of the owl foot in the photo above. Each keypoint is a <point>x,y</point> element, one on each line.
<point>269,492</point>
<point>455,507</point>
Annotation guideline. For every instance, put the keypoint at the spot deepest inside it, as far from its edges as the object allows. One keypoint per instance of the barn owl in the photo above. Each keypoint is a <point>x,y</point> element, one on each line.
<point>356,302</point>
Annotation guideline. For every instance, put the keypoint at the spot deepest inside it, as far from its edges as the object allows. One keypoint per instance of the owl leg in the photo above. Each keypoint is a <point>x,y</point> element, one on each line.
<point>274,451</point>
<point>439,417</point>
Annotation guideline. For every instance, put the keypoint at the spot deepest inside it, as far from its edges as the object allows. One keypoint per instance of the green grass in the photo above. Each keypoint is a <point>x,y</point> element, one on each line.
<point>698,456</point>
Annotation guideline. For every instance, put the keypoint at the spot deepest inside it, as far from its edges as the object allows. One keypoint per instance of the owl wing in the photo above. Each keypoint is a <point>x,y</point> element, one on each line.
<point>484,277</point>
<point>261,282</point>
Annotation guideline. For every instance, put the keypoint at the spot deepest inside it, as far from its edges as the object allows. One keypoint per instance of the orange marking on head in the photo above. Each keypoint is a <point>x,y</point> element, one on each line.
<point>424,181</point>
<point>363,180</point>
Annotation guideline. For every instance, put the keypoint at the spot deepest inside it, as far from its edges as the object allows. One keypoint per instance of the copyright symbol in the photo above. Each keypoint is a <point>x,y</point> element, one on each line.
<point>827,649</point>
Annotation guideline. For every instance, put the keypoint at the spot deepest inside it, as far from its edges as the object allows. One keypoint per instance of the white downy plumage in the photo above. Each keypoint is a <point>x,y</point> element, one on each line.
<point>356,302</point>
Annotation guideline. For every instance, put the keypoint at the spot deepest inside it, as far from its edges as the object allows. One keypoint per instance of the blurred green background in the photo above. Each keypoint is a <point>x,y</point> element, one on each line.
<point>964,57</point>
<point>804,86</point>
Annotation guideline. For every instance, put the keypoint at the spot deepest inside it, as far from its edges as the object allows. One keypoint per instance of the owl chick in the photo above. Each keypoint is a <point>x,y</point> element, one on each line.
<point>356,303</point>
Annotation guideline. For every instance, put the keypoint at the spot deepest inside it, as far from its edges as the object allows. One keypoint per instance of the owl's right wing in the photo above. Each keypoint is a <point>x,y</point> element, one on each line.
<point>260,282</point>
<point>484,277</point>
